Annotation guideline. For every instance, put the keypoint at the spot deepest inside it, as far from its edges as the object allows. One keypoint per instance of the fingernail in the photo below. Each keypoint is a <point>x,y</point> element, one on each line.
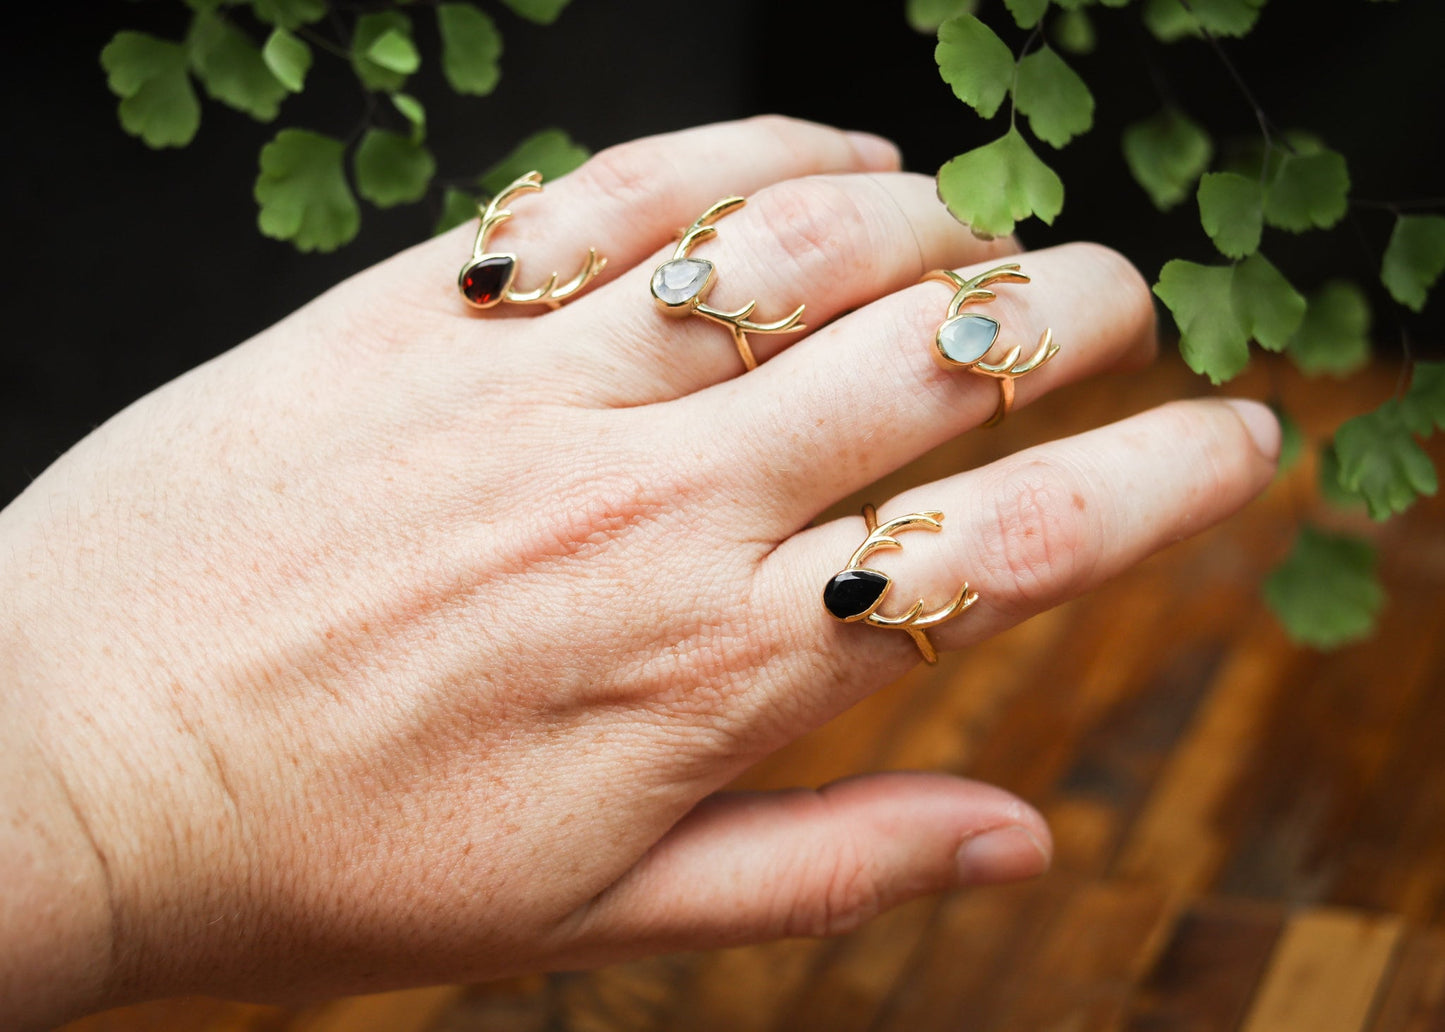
<point>875,152</point>
<point>1001,855</point>
<point>1263,427</point>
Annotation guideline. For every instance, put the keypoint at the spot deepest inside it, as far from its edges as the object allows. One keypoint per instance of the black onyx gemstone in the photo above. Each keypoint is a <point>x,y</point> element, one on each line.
<point>853,593</point>
<point>483,282</point>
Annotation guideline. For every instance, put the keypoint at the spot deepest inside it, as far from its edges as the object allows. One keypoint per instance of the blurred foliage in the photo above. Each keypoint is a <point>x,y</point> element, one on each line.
<point>251,55</point>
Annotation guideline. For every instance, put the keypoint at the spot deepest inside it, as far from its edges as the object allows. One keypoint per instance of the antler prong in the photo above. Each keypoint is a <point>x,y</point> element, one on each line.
<point>692,235</point>
<point>727,317</point>
<point>495,213</point>
<point>590,268</point>
<point>930,518</point>
<point>961,601</point>
<point>788,322</point>
<point>1001,368</point>
<point>1046,350</point>
<point>998,274</point>
<point>914,620</point>
<point>738,321</point>
<point>907,619</point>
<point>542,293</point>
<point>702,227</point>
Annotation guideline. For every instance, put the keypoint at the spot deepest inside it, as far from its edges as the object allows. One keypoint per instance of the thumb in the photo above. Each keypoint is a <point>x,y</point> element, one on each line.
<point>749,867</point>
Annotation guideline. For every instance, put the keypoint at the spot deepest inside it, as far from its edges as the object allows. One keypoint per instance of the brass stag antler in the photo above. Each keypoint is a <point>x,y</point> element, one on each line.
<point>695,277</point>
<point>914,621</point>
<point>974,291</point>
<point>502,266</point>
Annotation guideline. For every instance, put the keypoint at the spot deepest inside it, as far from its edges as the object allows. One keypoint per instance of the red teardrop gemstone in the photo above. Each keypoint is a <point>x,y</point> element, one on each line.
<point>484,281</point>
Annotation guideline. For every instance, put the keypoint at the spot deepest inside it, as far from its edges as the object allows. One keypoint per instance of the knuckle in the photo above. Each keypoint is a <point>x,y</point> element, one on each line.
<point>626,172</point>
<point>1041,536</point>
<point>816,225</point>
<point>847,897</point>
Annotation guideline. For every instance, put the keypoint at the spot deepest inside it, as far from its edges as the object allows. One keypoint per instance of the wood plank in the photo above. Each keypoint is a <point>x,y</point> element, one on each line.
<point>1081,979</point>
<point>1119,758</point>
<point>857,974</point>
<point>1089,668</point>
<point>1085,835</point>
<point>512,1005</point>
<point>637,996</point>
<point>1414,998</point>
<point>406,1010</point>
<point>1330,737</point>
<point>743,989</point>
<point>1391,859</point>
<point>1208,972</point>
<point>962,968</point>
<point>1325,973</point>
<point>1122,754</point>
<point>963,704</point>
<point>1178,842</point>
<point>185,1014</point>
<point>844,745</point>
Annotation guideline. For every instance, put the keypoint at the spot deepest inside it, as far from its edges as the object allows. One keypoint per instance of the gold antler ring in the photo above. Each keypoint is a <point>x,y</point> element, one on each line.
<point>855,592</point>
<point>964,339</point>
<point>486,279</point>
<point>680,286</point>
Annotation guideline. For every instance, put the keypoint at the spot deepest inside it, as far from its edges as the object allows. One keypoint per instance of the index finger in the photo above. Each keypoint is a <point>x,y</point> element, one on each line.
<point>631,199</point>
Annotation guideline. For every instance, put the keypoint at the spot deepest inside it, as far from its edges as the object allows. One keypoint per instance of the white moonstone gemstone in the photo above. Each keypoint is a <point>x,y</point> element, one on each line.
<point>966,338</point>
<point>679,281</point>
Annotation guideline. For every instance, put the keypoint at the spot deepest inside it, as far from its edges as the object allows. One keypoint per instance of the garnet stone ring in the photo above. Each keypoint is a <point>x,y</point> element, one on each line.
<point>486,278</point>
<point>680,286</point>
<point>962,340</point>
<point>855,592</point>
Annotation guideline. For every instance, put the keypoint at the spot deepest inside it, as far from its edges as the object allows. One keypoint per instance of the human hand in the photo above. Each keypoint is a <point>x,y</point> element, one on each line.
<point>402,644</point>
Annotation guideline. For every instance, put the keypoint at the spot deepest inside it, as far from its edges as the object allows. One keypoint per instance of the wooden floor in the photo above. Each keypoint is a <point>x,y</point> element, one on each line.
<point>1249,835</point>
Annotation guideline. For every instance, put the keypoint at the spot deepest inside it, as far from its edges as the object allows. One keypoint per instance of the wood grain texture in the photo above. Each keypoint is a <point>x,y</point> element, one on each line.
<point>1326,972</point>
<point>1414,999</point>
<point>1249,837</point>
<point>1207,974</point>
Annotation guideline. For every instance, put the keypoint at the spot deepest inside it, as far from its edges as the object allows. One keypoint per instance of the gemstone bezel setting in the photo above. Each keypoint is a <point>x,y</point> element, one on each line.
<point>854,594</point>
<point>966,338</point>
<point>686,291</point>
<point>484,281</point>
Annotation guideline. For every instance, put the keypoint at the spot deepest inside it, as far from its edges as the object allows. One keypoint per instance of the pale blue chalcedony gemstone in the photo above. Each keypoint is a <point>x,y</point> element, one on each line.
<point>966,338</point>
<point>678,281</point>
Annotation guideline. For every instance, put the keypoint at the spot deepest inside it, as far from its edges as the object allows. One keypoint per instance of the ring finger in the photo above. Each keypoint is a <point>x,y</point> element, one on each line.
<point>1026,533</point>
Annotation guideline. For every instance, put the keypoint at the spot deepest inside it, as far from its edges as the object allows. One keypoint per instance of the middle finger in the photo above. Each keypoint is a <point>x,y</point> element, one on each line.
<point>833,243</point>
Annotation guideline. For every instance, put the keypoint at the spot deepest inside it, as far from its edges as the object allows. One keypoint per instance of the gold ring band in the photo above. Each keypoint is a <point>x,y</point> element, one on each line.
<point>680,286</point>
<point>964,339</point>
<point>855,592</point>
<point>486,279</point>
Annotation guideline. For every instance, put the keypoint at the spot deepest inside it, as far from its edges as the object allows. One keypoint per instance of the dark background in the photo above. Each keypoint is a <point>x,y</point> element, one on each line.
<point>129,266</point>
